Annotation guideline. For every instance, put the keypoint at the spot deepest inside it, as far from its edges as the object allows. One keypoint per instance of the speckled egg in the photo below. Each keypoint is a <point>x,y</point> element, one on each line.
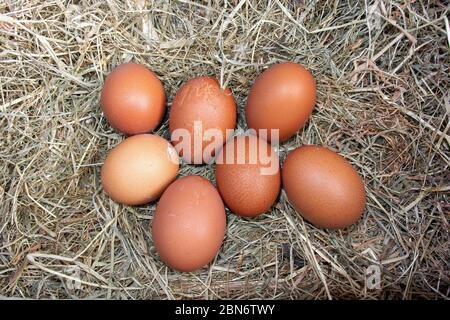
<point>248,175</point>
<point>199,106</point>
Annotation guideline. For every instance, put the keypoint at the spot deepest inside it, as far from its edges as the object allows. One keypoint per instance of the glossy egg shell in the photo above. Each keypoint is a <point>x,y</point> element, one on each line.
<point>133,99</point>
<point>323,187</point>
<point>189,224</point>
<point>282,97</point>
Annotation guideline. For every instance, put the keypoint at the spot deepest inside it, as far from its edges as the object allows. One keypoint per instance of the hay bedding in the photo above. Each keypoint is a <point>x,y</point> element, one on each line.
<point>383,100</point>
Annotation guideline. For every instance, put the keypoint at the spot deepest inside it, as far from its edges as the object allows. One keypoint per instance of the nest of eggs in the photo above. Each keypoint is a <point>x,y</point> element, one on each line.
<point>382,102</point>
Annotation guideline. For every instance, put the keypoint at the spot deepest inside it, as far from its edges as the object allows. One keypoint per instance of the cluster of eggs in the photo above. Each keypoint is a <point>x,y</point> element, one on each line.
<point>190,221</point>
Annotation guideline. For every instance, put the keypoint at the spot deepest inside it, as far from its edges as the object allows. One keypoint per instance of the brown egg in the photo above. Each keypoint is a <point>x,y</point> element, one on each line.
<point>323,187</point>
<point>199,106</point>
<point>139,168</point>
<point>249,180</point>
<point>189,224</point>
<point>282,98</point>
<point>133,99</point>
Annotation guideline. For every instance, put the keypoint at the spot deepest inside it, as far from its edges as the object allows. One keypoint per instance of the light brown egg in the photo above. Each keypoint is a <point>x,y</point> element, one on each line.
<point>139,168</point>
<point>282,97</point>
<point>323,187</point>
<point>189,224</point>
<point>202,102</point>
<point>133,99</point>
<point>249,180</point>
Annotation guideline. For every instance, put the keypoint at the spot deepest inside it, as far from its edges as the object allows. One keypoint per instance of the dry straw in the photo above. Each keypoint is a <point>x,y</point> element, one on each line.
<point>382,69</point>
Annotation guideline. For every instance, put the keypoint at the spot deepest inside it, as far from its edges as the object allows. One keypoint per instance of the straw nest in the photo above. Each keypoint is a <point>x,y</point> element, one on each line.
<point>382,69</point>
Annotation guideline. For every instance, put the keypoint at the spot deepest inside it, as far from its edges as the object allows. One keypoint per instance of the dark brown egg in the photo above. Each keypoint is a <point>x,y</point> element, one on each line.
<point>248,175</point>
<point>189,224</point>
<point>323,187</point>
<point>133,99</point>
<point>281,98</point>
<point>204,111</point>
